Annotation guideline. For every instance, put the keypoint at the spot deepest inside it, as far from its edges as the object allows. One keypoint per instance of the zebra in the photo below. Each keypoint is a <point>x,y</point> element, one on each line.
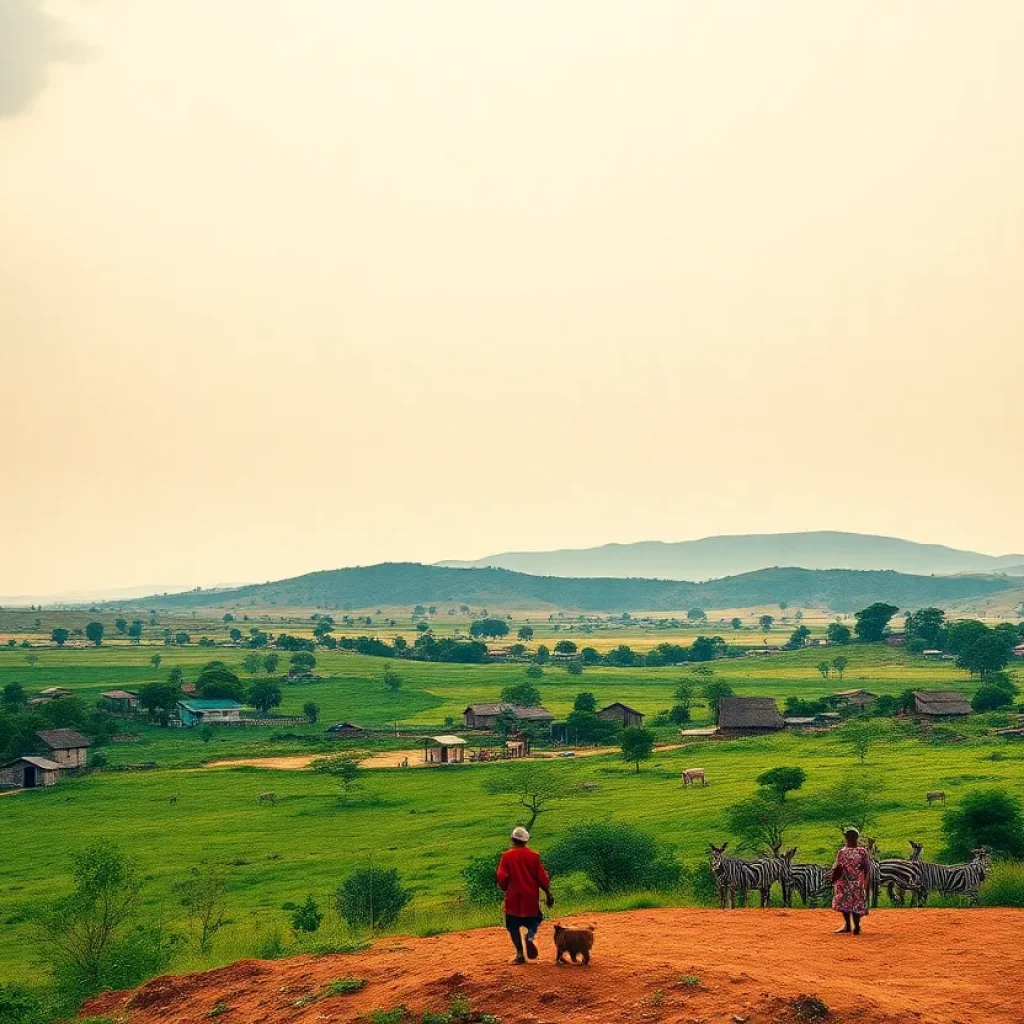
<point>732,874</point>
<point>810,881</point>
<point>902,876</point>
<point>874,871</point>
<point>781,868</point>
<point>955,879</point>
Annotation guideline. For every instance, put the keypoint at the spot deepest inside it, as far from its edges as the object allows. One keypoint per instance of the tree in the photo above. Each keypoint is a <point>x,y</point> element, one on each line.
<point>270,663</point>
<point>696,615</point>
<point>14,697</point>
<point>252,664</point>
<point>488,628</point>
<point>301,662</point>
<point>525,634</point>
<point>543,655</point>
<point>565,647</point>
<point>736,623</point>
<point>707,648</point>
<point>986,653</point>
<point>523,695</point>
<point>155,660</point>
<point>182,639</point>
<point>532,786</point>
<point>135,631</point>
<point>307,916</point>
<point>637,744</point>
<point>217,682</point>
<point>837,633</point>
<point>839,663</point>
<point>392,680</point>
<point>766,622</point>
<point>853,799</point>
<point>574,668</point>
<point>991,698</point>
<point>31,659</point>
<point>589,656</point>
<point>925,630</point>
<point>713,693</point>
<point>480,886</point>
<point>159,700</point>
<point>94,633</point>
<point>234,634</point>
<point>860,737</point>
<point>760,821</point>
<point>85,926</point>
<point>206,733</point>
<point>824,668</point>
<point>873,621</point>
<point>534,672</point>
<point>121,625</point>
<point>782,780</point>
<point>264,694</point>
<point>615,856</point>
<point>60,636</point>
<point>323,627</point>
<point>585,702</point>
<point>345,769</point>
<point>203,895</point>
<point>228,617</point>
<point>798,638</point>
<point>312,711</point>
<point>372,897</point>
<point>987,817</point>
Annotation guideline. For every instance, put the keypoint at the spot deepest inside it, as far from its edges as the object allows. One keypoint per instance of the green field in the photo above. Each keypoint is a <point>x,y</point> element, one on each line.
<point>428,822</point>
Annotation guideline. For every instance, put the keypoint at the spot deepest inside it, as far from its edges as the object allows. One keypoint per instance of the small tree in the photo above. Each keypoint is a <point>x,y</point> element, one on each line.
<point>565,647</point>
<point>488,628</point>
<point>760,821</point>
<point>345,769</point>
<point>94,633</point>
<point>155,660</point>
<point>525,633</point>
<point>986,817</point>
<point>480,886</point>
<point>121,625</point>
<point>206,733</point>
<point>736,623</point>
<point>534,787</point>
<point>203,895</point>
<point>60,636</point>
<point>543,655</point>
<point>696,615</point>
<point>839,663</point>
<point>252,664</point>
<point>574,668</point>
<point>312,711</point>
<point>159,700</point>
<point>860,737</point>
<point>713,693</point>
<point>302,662</point>
<point>991,698</point>
<point>766,622</point>
<point>637,744</point>
<point>585,701</point>
<point>782,780</point>
<point>873,621</point>
<point>270,663</point>
<point>264,694</point>
<point>523,695</point>
<point>392,680</point>
<point>824,668</point>
<point>307,917</point>
<point>14,697</point>
<point>372,897</point>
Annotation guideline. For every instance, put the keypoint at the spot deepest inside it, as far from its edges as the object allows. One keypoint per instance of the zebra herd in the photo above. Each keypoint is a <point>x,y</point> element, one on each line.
<point>812,882</point>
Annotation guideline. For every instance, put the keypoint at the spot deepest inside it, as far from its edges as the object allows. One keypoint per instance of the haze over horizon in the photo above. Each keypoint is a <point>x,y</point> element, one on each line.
<point>293,287</point>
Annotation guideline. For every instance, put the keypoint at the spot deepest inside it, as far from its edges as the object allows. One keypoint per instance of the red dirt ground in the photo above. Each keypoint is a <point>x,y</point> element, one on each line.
<point>911,967</point>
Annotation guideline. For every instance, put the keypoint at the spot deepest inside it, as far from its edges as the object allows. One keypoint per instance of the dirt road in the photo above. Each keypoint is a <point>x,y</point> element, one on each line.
<point>683,965</point>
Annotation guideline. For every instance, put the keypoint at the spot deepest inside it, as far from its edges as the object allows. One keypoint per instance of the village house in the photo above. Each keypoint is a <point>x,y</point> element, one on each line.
<point>444,750</point>
<point>623,714</point>
<point>822,720</point>
<point>896,639</point>
<point>68,747</point>
<point>345,731</point>
<point>748,716</point>
<point>120,702</point>
<point>483,716</point>
<point>941,704</point>
<point>54,693</point>
<point>853,698</point>
<point>209,712</point>
<point>29,772</point>
<point>1018,651</point>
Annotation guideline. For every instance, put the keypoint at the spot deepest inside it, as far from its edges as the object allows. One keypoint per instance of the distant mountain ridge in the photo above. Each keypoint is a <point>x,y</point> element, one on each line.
<point>716,557</point>
<point>409,583</point>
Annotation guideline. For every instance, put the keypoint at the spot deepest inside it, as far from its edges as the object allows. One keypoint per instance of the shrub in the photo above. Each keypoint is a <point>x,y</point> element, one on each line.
<point>307,917</point>
<point>1004,886</point>
<point>702,884</point>
<point>991,698</point>
<point>271,947</point>
<point>372,897</point>
<point>19,1005</point>
<point>343,986</point>
<point>987,817</point>
<point>478,874</point>
<point>615,856</point>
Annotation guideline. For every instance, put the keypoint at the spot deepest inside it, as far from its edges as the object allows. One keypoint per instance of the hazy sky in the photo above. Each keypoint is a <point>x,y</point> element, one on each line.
<point>296,284</point>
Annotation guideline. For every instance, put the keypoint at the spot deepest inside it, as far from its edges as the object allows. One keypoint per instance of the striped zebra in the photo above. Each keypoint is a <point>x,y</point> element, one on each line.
<point>874,871</point>
<point>733,874</point>
<point>811,881</point>
<point>955,879</point>
<point>780,869</point>
<point>902,876</point>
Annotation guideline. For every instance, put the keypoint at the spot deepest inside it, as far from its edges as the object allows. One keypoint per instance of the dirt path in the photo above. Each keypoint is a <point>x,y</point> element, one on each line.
<point>681,965</point>
<point>391,758</point>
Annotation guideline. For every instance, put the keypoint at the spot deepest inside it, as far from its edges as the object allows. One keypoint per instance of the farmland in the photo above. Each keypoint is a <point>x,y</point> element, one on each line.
<point>430,822</point>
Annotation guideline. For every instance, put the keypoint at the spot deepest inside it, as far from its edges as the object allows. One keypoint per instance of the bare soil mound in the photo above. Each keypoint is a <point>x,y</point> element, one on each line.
<point>684,965</point>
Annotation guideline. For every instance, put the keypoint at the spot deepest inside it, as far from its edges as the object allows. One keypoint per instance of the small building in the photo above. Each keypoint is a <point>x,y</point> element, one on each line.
<point>623,714</point>
<point>30,773</point>
<point>121,702</point>
<point>823,720</point>
<point>517,745</point>
<point>483,716</point>
<point>54,693</point>
<point>189,689</point>
<point>748,716</point>
<point>941,703</point>
<point>209,712</point>
<point>498,654</point>
<point>932,652</point>
<point>444,750</point>
<point>346,731</point>
<point>68,747</point>
<point>896,639</point>
<point>1018,651</point>
<point>853,698</point>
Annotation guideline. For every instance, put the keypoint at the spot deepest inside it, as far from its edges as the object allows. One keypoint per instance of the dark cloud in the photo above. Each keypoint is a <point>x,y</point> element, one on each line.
<point>30,41</point>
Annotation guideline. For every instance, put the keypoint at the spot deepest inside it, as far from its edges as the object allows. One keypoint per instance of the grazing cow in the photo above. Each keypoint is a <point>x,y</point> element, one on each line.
<point>955,879</point>
<point>691,775</point>
<point>902,876</point>
<point>936,796</point>
<point>266,798</point>
<point>732,874</point>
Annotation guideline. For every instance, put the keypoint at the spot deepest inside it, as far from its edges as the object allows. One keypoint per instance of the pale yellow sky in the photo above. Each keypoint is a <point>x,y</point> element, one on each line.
<point>295,284</point>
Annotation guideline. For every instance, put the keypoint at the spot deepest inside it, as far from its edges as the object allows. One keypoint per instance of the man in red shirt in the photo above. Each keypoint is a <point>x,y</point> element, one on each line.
<point>522,877</point>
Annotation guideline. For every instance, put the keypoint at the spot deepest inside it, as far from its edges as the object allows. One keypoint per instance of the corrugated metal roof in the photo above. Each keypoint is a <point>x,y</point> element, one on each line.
<point>209,705</point>
<point>119,694</point>
<point>449,741</point>
<point>63,739</point>
<point>40,762</point>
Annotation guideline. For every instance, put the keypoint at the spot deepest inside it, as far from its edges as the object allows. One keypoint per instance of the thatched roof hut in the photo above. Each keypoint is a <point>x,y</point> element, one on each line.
<point>742,716</point>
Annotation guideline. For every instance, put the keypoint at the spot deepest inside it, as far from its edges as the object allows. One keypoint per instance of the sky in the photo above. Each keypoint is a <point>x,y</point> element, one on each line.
<point>287,286</point>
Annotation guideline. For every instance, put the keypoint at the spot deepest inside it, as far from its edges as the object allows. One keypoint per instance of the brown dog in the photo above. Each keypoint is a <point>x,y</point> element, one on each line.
<point>574,941</point>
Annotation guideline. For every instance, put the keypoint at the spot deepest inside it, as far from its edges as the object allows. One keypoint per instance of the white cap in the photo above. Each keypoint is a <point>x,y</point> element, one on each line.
<point>520,834</point>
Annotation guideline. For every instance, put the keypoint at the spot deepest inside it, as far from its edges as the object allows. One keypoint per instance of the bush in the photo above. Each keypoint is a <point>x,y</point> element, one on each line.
<point>987,817</point>
<point>1004,886</point>
<point>616,857</point>
<point>702,884</point>
<point>307,917</point>
<point>478,874</point>
<point>991,698</point>
<point>372,897</point>
<point>19,1005</point>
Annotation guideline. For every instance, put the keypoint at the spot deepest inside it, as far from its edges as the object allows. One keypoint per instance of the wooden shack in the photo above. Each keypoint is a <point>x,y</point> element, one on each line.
<point>748,716</point>
<point>853,698</point>
<point>209,712</point>
<point>346,731</point>
<point>68,747</point>
<point>29,773</point>
<point>941,704</point>
<point>120,702</point>
<point>483,716</point>
<point>444,750</point>
<point>623,714</point>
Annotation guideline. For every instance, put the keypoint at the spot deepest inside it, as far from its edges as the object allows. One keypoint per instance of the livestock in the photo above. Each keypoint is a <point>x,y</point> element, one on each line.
<point>733,873</point>
<point>574,941</point>
<point>811,881</point>
<point>691,775</point>
<point>955,879</point>
<point>780,870</point>
<point>874,871</point>
<point>902,876</point>
<point>266,798</point>
<point>936,796</point>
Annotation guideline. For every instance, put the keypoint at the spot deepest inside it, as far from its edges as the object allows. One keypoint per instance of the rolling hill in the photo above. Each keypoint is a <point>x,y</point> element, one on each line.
<point>714,557</point>
<point>409,583</point>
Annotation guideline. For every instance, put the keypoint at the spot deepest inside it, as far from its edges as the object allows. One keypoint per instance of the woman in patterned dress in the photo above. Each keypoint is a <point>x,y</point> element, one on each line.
<point>850,875</point>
